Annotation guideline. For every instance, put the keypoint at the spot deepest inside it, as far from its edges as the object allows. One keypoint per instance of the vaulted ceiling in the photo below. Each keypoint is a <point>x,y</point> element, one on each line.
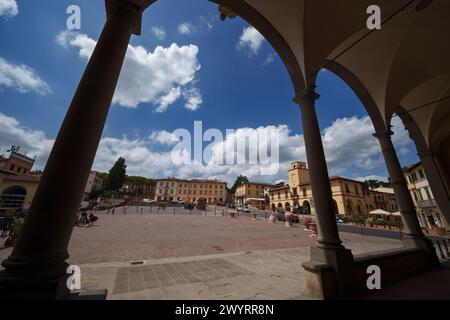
<point>406,63</point>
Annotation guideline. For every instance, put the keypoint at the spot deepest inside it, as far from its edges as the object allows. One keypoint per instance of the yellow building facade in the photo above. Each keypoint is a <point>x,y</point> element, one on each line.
<point>173,189</point>
<point>17,185</point>
<point>349,196</point>
<point>252,191</point>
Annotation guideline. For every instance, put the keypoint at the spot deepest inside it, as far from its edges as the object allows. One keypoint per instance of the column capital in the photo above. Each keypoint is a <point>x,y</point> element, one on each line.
<point>384,134</point>
<point>131,8</point>
<point>308,94</point>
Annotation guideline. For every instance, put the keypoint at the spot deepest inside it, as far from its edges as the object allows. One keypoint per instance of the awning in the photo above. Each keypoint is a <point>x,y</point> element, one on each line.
<point>380,212</point>
<point>397,214</point>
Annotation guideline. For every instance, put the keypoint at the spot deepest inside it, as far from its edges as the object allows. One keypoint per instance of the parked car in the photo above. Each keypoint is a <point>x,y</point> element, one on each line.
<point>243,209</point>
<point>341,219</point>
<point>189,206</point>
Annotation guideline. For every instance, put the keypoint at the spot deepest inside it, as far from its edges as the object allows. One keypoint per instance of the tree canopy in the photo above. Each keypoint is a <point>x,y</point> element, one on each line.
<point>373,183</point>
<point>239,180</point>
<point>116,176</point>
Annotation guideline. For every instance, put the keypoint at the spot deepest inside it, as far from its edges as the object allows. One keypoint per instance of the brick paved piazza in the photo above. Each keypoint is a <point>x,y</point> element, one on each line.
<point>197,256</point>
<point>131,236</point>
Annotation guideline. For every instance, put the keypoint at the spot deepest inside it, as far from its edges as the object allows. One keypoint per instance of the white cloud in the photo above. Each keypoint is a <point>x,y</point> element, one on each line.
<point>351,151</point>
<point>269,59</point>
<point>186,28</point>
<point>193,99</point>
<point>146,77</point>
<point>251,39</point>
<point>8,8</point>
<point>33,142</point>
<point>159,32</point>
<point>168,99</point>
<point>21,78</point>
<point>206,23</point>
<point>164,137</point>
<point>372,177</point>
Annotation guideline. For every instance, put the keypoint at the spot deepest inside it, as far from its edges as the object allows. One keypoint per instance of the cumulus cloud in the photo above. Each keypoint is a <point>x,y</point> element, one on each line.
<point>21,78</point>
<point>8,8</point>
<point>372,177</point>
<point>193,99</point>
<point>159,32</point>
<point>186,28</point>
<point>165,101</point>
<point>164,137</point>
<point>251,39</point>
<point>350,148</point>
<point>33,142</point>
<point>270,58</point>
<point>159,77</point>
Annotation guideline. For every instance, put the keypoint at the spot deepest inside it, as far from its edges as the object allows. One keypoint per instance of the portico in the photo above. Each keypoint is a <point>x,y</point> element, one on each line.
<point>403,65</point>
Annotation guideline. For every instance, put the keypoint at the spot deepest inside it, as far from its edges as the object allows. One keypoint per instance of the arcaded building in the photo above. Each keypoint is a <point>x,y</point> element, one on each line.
<point>401,69</point>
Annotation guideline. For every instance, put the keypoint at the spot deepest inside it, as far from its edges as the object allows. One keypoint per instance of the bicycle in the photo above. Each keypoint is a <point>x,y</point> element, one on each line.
<point>86,220</point>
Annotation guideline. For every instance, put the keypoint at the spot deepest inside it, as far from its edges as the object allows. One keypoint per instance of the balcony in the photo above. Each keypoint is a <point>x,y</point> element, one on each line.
<point>426,203</point>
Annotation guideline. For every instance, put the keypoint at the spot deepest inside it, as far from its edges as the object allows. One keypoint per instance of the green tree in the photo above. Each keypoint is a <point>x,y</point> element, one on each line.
<point>239,180</point>
<point>372,184</point>
<point>116,175</point>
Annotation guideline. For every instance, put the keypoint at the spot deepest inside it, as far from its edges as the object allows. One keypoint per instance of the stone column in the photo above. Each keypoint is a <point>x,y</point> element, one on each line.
<point>329,251</point>
<point>328,236</point>
<point>37,266</point>
<point>437,185</point>
<point>414,236</point>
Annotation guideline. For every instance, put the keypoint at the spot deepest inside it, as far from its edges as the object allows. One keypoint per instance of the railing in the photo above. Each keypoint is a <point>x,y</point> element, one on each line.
<point>442,248</point>
<point>426,203</point>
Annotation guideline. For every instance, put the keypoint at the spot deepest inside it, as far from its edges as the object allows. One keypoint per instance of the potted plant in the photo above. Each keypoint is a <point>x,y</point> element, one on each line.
<point>313,227</point>
<point>16,228</point>
<point>307,222</point>
<point>288,217</point>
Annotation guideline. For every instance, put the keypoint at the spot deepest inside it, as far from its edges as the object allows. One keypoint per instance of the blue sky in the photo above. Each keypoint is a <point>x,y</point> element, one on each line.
<point>206,70</point>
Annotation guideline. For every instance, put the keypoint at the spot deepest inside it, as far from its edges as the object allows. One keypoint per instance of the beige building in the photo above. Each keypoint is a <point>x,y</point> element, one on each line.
<point>173,189</point>
<point>252,192</point>
<point>140,187</point>
<point>17,163</point>
<point>429,213</point>
<point>349,196</point>
<point>94,183</point>
<point>17,184</point>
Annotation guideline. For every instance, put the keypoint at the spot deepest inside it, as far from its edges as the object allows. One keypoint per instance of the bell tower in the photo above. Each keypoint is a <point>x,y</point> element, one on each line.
<point>298,174</point>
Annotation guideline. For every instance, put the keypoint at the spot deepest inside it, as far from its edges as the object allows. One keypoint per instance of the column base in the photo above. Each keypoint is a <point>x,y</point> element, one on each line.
<point>33,289</point>
<point>330,273</point>
<point>33,280</point>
